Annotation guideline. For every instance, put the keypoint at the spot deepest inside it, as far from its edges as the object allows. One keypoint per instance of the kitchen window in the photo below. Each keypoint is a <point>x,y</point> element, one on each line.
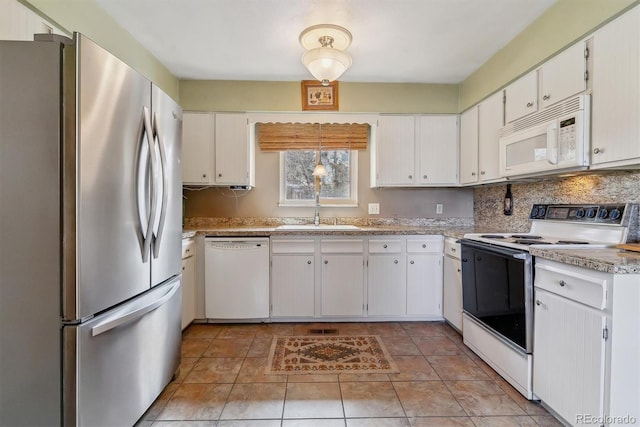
<point>338,188</point>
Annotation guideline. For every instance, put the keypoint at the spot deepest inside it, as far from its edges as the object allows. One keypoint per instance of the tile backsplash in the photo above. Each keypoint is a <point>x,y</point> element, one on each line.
<point>615,187</point>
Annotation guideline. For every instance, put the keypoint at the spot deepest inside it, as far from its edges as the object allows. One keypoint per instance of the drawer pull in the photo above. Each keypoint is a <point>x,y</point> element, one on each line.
<point>384,246</point>
<point>424,245</point>
<point>453,249</point>
<point>395,261</point>
<point>562,283</point>
<point>411,262</point>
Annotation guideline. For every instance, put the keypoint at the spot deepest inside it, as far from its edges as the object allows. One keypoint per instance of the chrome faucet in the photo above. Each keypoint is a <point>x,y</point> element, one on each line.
<point>316,216</point>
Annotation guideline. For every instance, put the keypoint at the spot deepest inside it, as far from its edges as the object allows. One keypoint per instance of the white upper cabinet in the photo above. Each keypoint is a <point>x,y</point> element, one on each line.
<point>490,121</point>
<point>521,97</point>
<point>197,148</point>
<point>415,151</point>
<point>216,149</point>
<point>615,121</point>
<point>563,75</point>
<point>469,146</point>
<point>234,153</point>
<point>393,162</point>
<point>437,149</point>
<point>17,22</point>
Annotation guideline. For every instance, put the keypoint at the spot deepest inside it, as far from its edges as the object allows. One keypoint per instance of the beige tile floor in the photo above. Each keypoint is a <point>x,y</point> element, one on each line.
<point>441,383</point>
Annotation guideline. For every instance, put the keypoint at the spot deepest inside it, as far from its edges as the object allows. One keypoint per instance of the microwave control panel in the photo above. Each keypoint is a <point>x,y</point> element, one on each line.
<point>567,139</point>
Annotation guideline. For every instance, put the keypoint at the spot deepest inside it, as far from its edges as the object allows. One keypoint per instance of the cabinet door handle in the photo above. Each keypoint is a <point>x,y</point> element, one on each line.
<point>424,176</point>
<point>424,245</point>
<point>481,172</point>
<point>473,174</point>
<point>384,246</point>
<point>204,175</point>
<point>562,283</point>
<point>326,261</point>
<point>411,262</point>
<point>547,97</point>
<point>529,104</point>
<point>597,150</point>
<point>410,176</point>
<point>459,271</point>
<point>453,249</point>
<point>182,268</point>
<point>309,262</point>
<point>395,261</point>
<point>220,175</point>
<point>538,302</point>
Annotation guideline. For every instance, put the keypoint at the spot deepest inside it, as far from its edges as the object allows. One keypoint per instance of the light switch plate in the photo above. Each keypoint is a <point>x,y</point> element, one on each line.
<point>374,208</point>
<point>439,208</point>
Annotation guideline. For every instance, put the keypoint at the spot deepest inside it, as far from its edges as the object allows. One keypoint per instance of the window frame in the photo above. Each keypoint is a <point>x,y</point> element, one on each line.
<point>352,202</point>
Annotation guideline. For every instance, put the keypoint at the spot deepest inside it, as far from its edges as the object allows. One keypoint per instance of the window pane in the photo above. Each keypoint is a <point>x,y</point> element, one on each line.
<point>336,185</point>
<point>298,169</point>
<point>300,183</point>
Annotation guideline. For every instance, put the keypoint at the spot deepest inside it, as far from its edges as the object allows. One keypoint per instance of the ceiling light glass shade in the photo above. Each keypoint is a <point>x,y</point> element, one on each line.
<point>319,170</point>
<point>326,64</point>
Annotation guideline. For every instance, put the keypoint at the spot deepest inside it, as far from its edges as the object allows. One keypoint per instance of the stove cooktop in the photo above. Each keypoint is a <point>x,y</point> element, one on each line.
<point>570,226</point>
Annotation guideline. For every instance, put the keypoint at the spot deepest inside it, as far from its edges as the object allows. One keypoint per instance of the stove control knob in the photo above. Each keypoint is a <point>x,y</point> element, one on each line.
<point>591,213</point>
<point>580,213</point>
<point>541,212</point>
<point>603,213</point>
<point>615,214</point>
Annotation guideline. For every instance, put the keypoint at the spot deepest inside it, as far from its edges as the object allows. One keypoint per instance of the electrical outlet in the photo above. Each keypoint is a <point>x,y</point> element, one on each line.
<point>374,208</point>
<point>439,208</point>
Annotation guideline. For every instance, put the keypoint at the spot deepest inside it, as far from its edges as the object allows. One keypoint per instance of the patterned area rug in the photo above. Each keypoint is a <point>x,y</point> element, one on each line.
<point>362,354</point>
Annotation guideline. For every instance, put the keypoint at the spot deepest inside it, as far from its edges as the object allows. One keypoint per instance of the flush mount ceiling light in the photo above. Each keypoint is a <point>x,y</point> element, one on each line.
<point>324,57</point>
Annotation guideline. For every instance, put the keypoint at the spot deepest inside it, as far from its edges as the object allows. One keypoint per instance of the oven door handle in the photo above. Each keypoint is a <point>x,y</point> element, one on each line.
<point>493,249</point>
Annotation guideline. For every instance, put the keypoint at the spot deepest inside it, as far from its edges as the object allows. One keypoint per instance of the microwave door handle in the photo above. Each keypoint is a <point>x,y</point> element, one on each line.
<point>552,144</point>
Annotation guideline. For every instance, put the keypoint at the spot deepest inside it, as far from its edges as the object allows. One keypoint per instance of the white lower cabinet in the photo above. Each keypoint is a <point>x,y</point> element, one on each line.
<point>292,278</point>
<point>424,277</point>
<point>386,284</point>
<point>377,277</point>
<point>188,282</point>
<point>452,284</point>
<point>568,363</point>
<point>586,346</point>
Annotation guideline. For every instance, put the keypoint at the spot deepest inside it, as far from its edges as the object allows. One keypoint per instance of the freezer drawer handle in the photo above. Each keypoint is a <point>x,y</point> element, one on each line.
<point>135,314</point>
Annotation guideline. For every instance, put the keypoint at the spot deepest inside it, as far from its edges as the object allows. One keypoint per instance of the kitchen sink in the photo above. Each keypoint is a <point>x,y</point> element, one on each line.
<point>317,227</point>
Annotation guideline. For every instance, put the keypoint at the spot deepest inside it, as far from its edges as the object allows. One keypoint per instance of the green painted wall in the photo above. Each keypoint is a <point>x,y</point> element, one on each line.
<point>218,95</point>
<point>562,24</point>
<point>86,17</point>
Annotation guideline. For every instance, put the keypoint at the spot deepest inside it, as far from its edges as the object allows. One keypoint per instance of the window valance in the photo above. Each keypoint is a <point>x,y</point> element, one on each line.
<point>306,136</point>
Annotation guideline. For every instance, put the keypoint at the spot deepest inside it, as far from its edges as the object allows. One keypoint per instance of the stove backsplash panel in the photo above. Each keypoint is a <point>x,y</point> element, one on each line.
<point>618,187</point>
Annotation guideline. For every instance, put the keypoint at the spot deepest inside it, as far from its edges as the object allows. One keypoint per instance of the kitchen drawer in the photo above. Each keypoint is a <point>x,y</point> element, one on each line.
<point>306,246</point>
<point>338,246</point>
<point>452,247</point>
<point>385,246</point>
<point>188,248</point>
<point>585,286</point>
<point>425,245</point>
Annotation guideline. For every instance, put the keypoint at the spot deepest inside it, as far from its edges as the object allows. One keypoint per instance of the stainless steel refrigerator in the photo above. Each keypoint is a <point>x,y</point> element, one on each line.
<point>90,222</point>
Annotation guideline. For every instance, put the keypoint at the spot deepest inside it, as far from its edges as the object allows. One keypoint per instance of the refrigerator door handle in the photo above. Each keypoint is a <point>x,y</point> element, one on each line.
<point>134,314</point>
<point>148,234</point>
<point>165,183</point>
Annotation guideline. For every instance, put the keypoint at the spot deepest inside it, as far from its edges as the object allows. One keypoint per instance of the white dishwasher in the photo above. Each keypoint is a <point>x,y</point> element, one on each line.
<point>236,278</point>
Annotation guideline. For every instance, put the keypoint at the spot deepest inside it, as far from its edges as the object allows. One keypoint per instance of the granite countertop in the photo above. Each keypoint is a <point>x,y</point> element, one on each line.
<point>256,230</point>
<point>607,260</point>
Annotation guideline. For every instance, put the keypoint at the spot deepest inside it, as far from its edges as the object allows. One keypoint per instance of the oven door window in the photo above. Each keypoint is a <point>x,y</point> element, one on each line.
<point>495,286</point>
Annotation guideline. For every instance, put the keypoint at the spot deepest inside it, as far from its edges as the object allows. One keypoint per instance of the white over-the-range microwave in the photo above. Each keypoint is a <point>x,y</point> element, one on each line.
<point>553,140</point>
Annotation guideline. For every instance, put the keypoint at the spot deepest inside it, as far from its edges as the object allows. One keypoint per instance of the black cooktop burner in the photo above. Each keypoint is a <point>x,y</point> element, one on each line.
<point>492,236</point>
<point>530,242</point>
<point>526,236</point>
<point>571,242</point>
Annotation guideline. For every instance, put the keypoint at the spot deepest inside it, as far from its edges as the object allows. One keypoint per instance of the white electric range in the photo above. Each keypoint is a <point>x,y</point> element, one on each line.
<point>497,279</point>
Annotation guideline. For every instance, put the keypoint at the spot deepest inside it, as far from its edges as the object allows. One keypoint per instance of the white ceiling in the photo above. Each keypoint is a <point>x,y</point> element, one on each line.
<point>416,41</point>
